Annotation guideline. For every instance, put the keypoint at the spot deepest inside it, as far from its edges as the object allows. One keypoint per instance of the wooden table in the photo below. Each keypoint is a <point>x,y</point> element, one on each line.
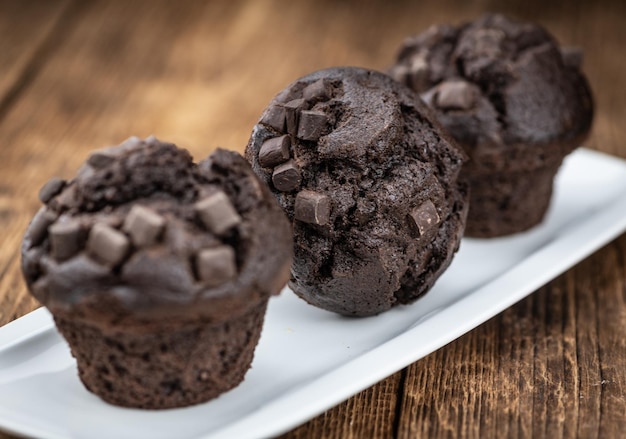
<point>80,75</point>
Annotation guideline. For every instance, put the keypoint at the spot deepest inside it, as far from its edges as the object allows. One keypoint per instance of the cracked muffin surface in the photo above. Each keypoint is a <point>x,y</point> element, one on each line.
<point>370,184</point>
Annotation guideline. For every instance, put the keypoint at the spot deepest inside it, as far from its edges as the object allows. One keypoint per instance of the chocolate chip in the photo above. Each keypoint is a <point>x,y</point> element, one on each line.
<point>50,189</point>
<point>317,91</point>
<point>102,158</point>
<point>217,213</point>
<point>455,95</point>
<point>286,177</point>
<point>425,216</point>
<point>107,244</point>
<point>418,78</point>
<point>572,56</point>
<point>31,262</point>
<point>527,35</point>
<point>429,96</point>
<point>400,73</point>
<point>65,239</point>
<point>274,117</point>
<point>85,173</point>
<point>292,109</point>
<point>312,125</point>
<point>68,197</point>
<point>153,266</point>
<point>79,270</point>
<point>38,228</point>
<point>274,151</point>
<point>216,265</point>
<point>143,225</point>
<point>312,207</point>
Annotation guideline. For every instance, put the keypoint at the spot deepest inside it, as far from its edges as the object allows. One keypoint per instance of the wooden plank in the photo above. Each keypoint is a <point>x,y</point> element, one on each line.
<point>369,414</point>
<point>609,288</point>
<point>27,35</point>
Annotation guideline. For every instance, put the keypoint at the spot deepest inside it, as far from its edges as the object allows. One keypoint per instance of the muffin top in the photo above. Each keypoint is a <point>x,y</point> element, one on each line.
<point>144,235</point>
<point>370,184</point>
<point>503,89</point>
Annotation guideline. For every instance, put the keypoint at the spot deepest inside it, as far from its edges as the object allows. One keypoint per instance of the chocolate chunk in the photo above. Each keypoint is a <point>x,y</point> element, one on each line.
<point>286,177</point>
<point>50,189</point>
<point>292,110</point>
<point>455,95</point>
<point>143,225</point>
<point>31,262</point>
<point>572,56</point>
<point>317,91</point>
<point>80,270</point>
<point>526,36</point>
<point>156,266</point>
<point>107,244</point>
<point>312,125</point>
<point>68,197</point>
<point>39,225</point>
<point>65,239</point>
<point>312,207</point>
<point>425,216</point>
<point>419,72</point>
<point>102,158</point>
<point>216,265</point>
<point>400,73</point>
<point>274,117</point>
<point>85,173</point>
<point>217,213</point>
<point>429,96</point>
<point>274,151</point>
<point>418,63</point>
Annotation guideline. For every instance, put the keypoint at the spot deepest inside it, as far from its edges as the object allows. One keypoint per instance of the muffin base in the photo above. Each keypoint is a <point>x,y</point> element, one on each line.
<point>169,369</point>
<point>504,203</point>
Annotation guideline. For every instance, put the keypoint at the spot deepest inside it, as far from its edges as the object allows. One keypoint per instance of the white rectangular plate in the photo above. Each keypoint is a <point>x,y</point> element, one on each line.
<point>309,360</point>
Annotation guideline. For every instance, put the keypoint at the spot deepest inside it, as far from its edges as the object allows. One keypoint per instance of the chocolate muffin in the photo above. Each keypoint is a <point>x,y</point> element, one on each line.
<point>516,103</point>
<point>158,270</point>
<point>370,184</point>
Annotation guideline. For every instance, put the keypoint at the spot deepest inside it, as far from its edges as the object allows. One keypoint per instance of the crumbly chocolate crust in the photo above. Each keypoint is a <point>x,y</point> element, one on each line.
<point>512,98</point>
<point>370,184</point>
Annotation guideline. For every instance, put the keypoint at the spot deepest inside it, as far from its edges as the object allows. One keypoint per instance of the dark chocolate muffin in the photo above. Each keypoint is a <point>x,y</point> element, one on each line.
<point>514,100</point>
<point>370,184</point>
<point>158,270</point>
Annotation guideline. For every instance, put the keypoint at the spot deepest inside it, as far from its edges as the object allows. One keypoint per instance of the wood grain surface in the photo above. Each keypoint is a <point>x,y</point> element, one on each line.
<point>77,75</point>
